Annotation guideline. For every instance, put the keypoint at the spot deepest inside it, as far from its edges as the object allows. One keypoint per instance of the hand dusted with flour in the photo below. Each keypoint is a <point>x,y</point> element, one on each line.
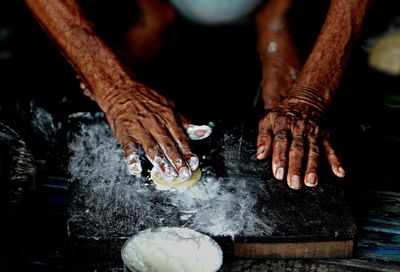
<point>135,113</point>
<point>293,131</point>
<point>295,125</point>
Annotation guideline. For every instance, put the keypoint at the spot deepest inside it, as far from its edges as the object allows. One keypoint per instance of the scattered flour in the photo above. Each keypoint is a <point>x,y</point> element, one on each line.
<point>43,122</point>
<point>172,250</point>
<point>109,202</point>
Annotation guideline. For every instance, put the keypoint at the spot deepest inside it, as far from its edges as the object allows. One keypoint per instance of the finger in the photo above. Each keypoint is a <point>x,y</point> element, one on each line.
<point>173,154</point>
<point>280,145</point>
<point>193,131</point>
<point>296,155</point>
<point>182,142</point>
<point>333,160</point>
<point>310,176</point>
<point>264,139</point>
<point>157,157</point>
<point>132,156</point>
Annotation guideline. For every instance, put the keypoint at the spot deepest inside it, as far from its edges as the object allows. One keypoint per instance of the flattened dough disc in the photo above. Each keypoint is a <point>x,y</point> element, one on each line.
<point>163,184</point>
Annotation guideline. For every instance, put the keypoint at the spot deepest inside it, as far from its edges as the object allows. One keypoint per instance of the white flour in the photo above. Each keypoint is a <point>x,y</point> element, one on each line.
<point>109,202</point>
<point>172,250</point>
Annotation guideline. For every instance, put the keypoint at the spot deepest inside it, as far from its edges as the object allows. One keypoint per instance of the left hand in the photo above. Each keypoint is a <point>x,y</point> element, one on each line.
<point>293,132</point>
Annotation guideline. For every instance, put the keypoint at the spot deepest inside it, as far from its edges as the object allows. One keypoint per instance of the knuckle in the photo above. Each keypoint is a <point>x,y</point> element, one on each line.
<point>169,148</point>
<point>296,167</point>
<point>280,160</point>
<point>299,125</point>
<point>262,139</point>
<point>284,121</point>
<point>167,112</point>
<point>130,146</point>
<point>298,138</point>
<point>264,124</point>
<point>281,132</point>
<point>152,151</point>
<point>312,169</point>
<point>312,137</point>
<point>138,135</point>
<point>297,145</point>
<point>314,150</point>
<point>332,156</point>
<point>280,138</point>
<point>317,131</point>
<point>313,161</point>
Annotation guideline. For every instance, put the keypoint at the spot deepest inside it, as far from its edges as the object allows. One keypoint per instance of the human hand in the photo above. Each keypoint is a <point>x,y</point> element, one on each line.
<point>293,132</point>
<point>139,115</point>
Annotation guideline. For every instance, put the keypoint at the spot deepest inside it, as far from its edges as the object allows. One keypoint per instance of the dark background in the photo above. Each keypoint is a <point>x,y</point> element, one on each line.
<point>215,67</point>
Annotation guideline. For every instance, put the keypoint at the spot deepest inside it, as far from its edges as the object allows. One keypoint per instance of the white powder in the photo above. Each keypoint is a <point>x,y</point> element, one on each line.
<point>119,204</point>
<point>171,250</point>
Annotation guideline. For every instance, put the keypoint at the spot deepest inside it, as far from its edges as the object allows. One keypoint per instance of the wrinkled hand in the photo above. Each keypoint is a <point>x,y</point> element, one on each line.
<point>293,133</point>
<point>139,115</point>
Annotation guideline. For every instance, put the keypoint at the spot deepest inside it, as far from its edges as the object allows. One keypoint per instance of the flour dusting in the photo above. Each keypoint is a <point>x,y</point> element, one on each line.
<point>109,202</point>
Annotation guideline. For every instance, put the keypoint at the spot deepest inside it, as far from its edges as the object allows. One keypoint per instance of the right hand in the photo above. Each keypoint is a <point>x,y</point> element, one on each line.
<point>139,115</point>
<point>293,133</point>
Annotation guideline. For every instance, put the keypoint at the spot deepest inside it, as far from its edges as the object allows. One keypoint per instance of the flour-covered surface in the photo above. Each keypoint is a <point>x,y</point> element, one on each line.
<point>236,196</point>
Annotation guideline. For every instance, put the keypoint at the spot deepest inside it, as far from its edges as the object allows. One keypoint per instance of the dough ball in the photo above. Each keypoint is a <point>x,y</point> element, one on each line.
<point>163,184</point>
<point>171,250</point>
<point>385,54</point>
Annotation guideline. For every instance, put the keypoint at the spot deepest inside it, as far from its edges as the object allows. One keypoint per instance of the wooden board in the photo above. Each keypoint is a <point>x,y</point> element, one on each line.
<point>306,223</point>
<point>327,249</point>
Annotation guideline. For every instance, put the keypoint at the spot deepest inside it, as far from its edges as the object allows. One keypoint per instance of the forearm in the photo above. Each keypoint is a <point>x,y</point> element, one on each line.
<point>278,54</point>
<point>96,64</point>
<point>273,30</point>
<point>321,74</point>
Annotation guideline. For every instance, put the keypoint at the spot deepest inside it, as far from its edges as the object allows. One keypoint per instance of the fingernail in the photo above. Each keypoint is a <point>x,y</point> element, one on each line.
<point>133,164</point>
<point>279,173</point>
<point>341,171</point>
<point>274,168</point>
<point>184,173</point>
<point>178,163</point>
<point>311,180</point>
<point>132,158</point>
<point>193,162</point>
<point>295,182</point>
<point>135,168</point>
<point>260,150</point>
<point>169,173</point>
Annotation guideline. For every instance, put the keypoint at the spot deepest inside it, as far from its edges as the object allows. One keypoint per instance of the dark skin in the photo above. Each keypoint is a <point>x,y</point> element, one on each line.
<point>297,96</point>
<point>292,131</point>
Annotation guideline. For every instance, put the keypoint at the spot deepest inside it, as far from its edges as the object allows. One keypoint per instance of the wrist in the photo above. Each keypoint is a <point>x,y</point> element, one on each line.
<point>307,97</point>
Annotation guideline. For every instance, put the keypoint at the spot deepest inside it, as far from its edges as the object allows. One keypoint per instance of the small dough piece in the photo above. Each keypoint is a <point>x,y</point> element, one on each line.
<point>385,54</point>
<point>163,184</point>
